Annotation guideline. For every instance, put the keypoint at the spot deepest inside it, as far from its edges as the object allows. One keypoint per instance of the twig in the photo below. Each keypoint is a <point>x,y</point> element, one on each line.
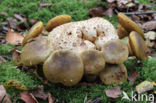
<point>139,12</point>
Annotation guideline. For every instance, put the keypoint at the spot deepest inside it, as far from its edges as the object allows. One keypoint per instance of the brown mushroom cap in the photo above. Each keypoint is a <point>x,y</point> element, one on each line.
<point>127,42</point>
<point>93,61</point>
<point>63,66</point>
<point>35,31</point>
<point>36,51</point>
<point>115,51</point>
<point>129,25</point>
<point>113,74</point>
<point>121,32</point>
<point>138,45</point>
<point>58,20</point>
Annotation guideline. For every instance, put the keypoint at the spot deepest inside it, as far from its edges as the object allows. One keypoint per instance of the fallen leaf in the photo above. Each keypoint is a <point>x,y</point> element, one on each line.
<point>39,93</point>
<point>148,26</point>
<point>113,92</point>
<point>45,4</point>
<point>19,17</point>
<point>12,22</point>
<point>133,76</point>
<point>96,12</point>
<point>122,3</point>
<point>50,99</point>
<point>28,97</point>
<point>4,98</point>
<point>14,37</point>
<point>15,84</point>
<point>3,13</point>
<point>16,56</point>
<point>108,12</point>
<point>144,87</point>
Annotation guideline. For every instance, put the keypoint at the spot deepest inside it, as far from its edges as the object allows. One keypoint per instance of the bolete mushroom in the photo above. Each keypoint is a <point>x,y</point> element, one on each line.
<point>138,45</point>
<point>113,74</point>
<point>93,61</point>
<point>115,51</point>
<point>58,20</point>
<point>127,42</point>
<point>128,24</point>
<point>64,66</point>
<point>36,51</point>
<point>35,31</point>
<point>122,32</point>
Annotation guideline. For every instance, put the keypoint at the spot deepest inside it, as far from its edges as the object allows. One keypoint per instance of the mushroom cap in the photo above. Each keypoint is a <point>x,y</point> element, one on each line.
<point>72,35</point>
<point>122,32</point>
<point>93,61</point>
<point>127,42</point>
<point>36,51</point>
<point>129,25</point>
<point>58,20</point>
<point>35,31</point>
<point>63,66</point>
<point>138,45</point>
<point>113,74</point>
<point>115,51</point>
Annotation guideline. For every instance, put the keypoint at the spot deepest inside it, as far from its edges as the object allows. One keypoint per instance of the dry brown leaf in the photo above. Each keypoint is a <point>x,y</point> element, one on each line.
<point>150,25</point>
<point>113,92</point>
<point>28,97</point>
<point>39,93</point>
<point>12,22</point>
<point>14,37</point>
<point>4,98</point>
<point>94,12</point>
<point>19,17</point>
<point>108,12</point>
<point>50,99</point>
<point>16,56</point>
<point>133,76</point>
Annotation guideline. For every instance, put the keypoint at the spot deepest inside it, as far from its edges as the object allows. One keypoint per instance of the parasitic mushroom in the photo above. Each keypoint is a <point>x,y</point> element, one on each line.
<point>36,51</point>
<point>113,74</point>
<point>58,20</point>
<point>115,52</point>
<point>64,66</point>
<point>138,45</point>
<point>93,61</point>
<point>35,31</point>
<point>128,24</point>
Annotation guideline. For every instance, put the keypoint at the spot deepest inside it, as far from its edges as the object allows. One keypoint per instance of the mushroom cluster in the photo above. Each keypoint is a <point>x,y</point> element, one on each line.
<point>91,48</point>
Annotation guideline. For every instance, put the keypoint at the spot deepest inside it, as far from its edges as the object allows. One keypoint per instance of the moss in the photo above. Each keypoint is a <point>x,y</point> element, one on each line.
<point>4,49</point>
<point>77,9</point>
<point>10,72</point>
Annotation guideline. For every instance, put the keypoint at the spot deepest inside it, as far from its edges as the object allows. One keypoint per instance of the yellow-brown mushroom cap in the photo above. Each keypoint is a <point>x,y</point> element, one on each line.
<point>58,20</point>
<point>36,51</point>
<point>129,25</point>
<point>35,31</point>
<point>138,45</point>
<point>113,74</point>
<point>93,61</point>
<point>64,66</point>
<point>115,51</point>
